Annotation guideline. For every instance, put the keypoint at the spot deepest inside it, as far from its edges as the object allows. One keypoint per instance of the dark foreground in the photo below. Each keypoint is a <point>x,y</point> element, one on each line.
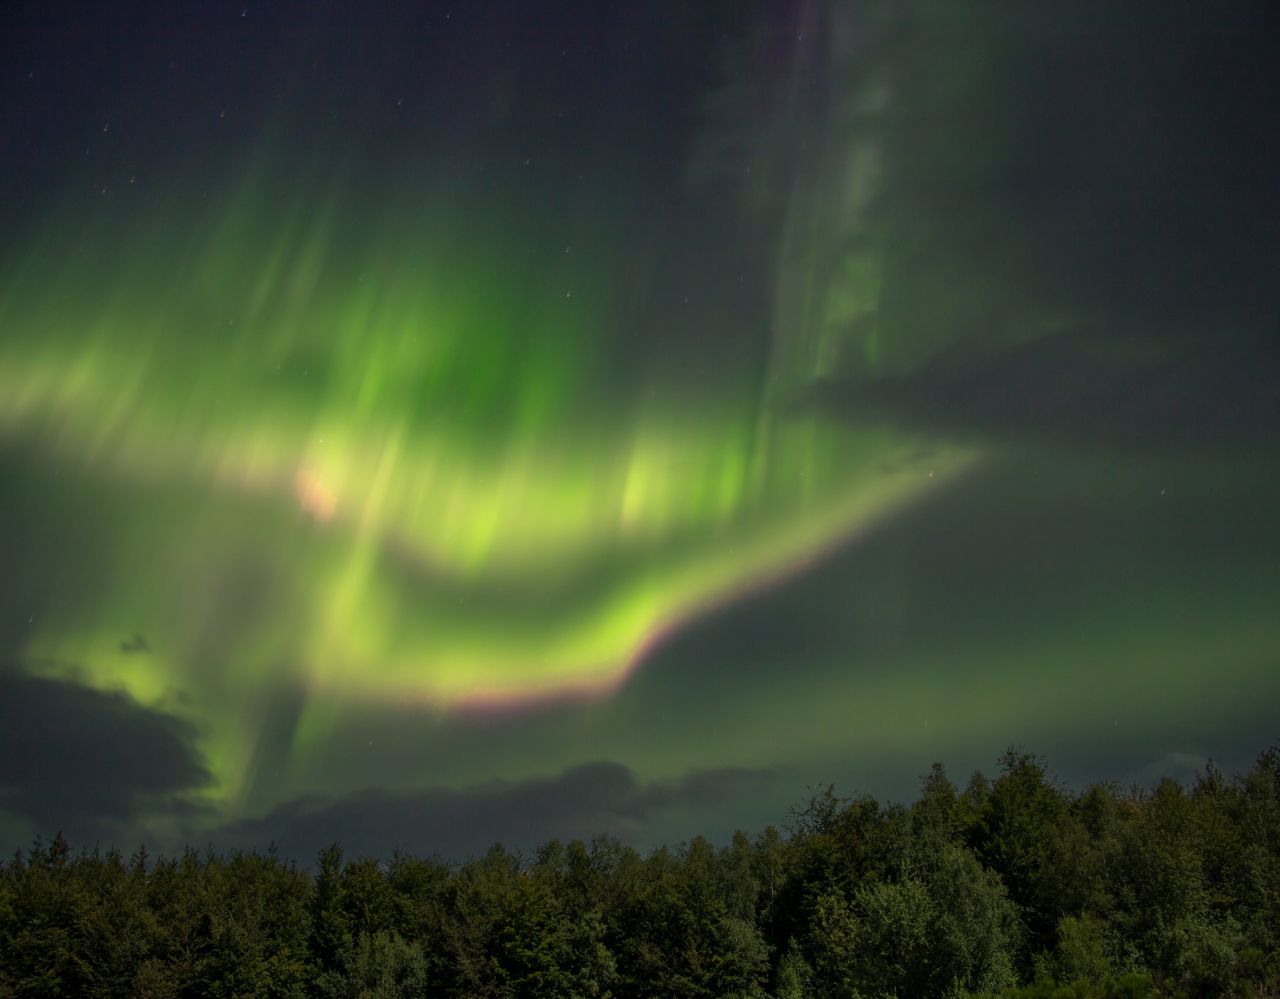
<point>1009,887</point>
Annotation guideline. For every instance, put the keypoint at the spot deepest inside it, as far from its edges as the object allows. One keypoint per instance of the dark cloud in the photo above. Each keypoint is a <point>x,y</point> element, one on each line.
<point>585,801</point>
<point>83,760</point>
<point>1105,175</point>
<point>138,644</point>
<point>1080,388</point>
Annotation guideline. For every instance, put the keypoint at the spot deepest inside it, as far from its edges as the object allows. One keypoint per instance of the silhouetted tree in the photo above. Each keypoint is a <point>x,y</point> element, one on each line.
<point>1169,892</point>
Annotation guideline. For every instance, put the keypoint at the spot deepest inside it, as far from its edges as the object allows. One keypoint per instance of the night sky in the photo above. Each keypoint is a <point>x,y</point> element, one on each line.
<point>423,424</point>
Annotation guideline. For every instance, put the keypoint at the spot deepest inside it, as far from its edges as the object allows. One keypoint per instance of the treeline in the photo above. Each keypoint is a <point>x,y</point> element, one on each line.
<point>1011,887</point>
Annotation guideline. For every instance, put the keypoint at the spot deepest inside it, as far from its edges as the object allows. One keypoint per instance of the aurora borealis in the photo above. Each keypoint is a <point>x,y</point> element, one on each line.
<point>441,401</point>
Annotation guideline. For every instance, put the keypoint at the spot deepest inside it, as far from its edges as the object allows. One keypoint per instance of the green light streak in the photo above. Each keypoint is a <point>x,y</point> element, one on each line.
<point>402,425</point>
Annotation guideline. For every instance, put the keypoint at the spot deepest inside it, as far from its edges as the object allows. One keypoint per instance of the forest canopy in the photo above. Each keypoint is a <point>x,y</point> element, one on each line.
<point>1012,886</point>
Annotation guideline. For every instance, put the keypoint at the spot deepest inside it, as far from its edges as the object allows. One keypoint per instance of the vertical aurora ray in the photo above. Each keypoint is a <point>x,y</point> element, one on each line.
<point>410,403</point>
<point>370,444</point>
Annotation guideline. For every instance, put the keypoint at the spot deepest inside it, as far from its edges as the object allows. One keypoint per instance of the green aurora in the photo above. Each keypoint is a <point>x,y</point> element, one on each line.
<point>394,423</point>
<point>302,455</point>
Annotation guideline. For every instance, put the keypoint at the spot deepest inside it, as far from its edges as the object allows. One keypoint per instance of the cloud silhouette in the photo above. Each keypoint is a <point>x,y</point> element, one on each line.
<point>1082,389</point>
<point>81,759</point>
<point>581,802</point>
